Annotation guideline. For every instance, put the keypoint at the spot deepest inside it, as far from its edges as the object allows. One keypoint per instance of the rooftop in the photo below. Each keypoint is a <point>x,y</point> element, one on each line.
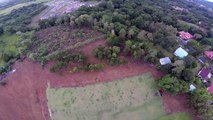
<point>209,54</point>
<point>210,89</point>
<point>185,35</point>
<point>164,61</point>
<point>180,52</point>
<point>205,74</point>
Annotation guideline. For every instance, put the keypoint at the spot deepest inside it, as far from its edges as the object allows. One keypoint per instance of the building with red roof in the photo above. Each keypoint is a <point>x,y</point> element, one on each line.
<point>185,35</point>
<point>210,89</point>
<point>209,54</point>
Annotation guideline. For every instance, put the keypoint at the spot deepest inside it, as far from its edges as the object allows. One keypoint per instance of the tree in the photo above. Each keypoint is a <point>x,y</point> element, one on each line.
<point>131,33</point>
<point>188,75</point>
<point>179,66</point>
<point>142,35</point>
<point>201,101</point>
<point>122,34</point>
<point>107,19</point>
<point>1,30</point>
<point>84,20</point>
<point>198,36</point>
<point>128,45</point>
<point>113,40</point>
<point>190,62</point>
<point>173,84</point>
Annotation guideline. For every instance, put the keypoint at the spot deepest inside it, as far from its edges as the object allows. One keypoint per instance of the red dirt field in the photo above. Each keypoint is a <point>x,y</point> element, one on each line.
<point>24,96</point>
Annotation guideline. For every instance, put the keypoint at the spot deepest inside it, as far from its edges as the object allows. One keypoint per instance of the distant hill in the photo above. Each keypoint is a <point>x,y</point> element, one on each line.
<point>10,3</point>
<point>205,3</point>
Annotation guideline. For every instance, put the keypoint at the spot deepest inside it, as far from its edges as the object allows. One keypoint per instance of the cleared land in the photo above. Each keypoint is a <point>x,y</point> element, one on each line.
<point>57,8</point>
<point>59,38</point>
<point>8,10</point>
<point>130,98</point>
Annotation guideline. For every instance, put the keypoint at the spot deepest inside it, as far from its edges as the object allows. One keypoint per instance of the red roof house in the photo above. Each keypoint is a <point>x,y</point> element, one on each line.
<point>205,74</point>
<point>210,89</point>
<point>209,54</point>
<point>185,35</point>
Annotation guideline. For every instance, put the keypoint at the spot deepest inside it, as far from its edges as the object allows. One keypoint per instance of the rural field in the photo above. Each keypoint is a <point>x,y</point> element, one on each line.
<point>58,38</point>
<point>130,98</point>
<point>57,8</point>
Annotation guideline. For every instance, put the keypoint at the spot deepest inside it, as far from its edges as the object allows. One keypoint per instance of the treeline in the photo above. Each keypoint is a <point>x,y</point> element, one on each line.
<point>63,59</point>
<point>18,19</point>
<point>11,3</point>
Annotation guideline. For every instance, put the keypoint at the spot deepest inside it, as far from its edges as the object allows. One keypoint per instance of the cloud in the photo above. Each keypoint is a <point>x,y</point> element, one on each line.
<point>210,0</point>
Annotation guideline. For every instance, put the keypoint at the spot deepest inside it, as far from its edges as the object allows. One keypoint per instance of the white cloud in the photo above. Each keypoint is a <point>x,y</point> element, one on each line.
<point>210,0</point>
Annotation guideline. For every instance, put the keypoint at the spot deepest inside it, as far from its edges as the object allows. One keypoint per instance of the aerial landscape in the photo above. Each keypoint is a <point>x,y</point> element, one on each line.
<point>106,60</point>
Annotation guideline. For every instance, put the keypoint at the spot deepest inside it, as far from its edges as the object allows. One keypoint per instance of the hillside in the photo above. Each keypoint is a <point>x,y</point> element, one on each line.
<point>205,3</point>
<point>9,3</point>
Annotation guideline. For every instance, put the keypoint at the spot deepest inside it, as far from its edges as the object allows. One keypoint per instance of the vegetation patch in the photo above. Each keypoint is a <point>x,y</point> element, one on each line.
<point>18,6</point>
<point>177,116</point>
<point>50,42</point>
<point>130,98</point>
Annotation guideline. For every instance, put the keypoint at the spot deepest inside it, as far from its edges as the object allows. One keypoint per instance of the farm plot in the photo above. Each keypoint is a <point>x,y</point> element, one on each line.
<point>130,98</point>
<point>61,38</point>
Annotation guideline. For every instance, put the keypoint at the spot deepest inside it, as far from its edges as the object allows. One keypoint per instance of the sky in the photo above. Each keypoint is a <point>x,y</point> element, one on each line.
<point>1,1</point>
<point>210,0</point>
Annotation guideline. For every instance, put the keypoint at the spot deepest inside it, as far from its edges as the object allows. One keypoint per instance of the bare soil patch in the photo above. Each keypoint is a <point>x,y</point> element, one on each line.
<point>61,37</point>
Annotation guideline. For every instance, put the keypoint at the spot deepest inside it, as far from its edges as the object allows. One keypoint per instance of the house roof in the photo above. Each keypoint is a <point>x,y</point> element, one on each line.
<point>205,74</point>
<point>209,54</point>
<point>192,88</point>
<point>201,59</point>
<point>164,61</point>
<point>210,89</point>
<point>180,52</point>
<point>185,35</point>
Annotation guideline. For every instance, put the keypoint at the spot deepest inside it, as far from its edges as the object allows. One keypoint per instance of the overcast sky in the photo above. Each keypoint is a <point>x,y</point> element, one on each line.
<point>210,0</point>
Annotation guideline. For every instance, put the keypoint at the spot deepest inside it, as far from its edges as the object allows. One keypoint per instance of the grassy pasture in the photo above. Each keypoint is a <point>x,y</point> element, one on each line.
<point>133,98</point>
<point>8,10</point>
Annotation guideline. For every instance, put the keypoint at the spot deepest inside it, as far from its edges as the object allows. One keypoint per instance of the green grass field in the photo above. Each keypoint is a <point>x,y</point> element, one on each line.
<point>8,44</point>
<point>8,10</point>
<point>177,116</point>
<point>134,98</point>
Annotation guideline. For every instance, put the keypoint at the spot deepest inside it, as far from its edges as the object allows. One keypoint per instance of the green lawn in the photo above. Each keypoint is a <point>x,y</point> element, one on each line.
<point>177,116</point>
<point>133,98</point>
